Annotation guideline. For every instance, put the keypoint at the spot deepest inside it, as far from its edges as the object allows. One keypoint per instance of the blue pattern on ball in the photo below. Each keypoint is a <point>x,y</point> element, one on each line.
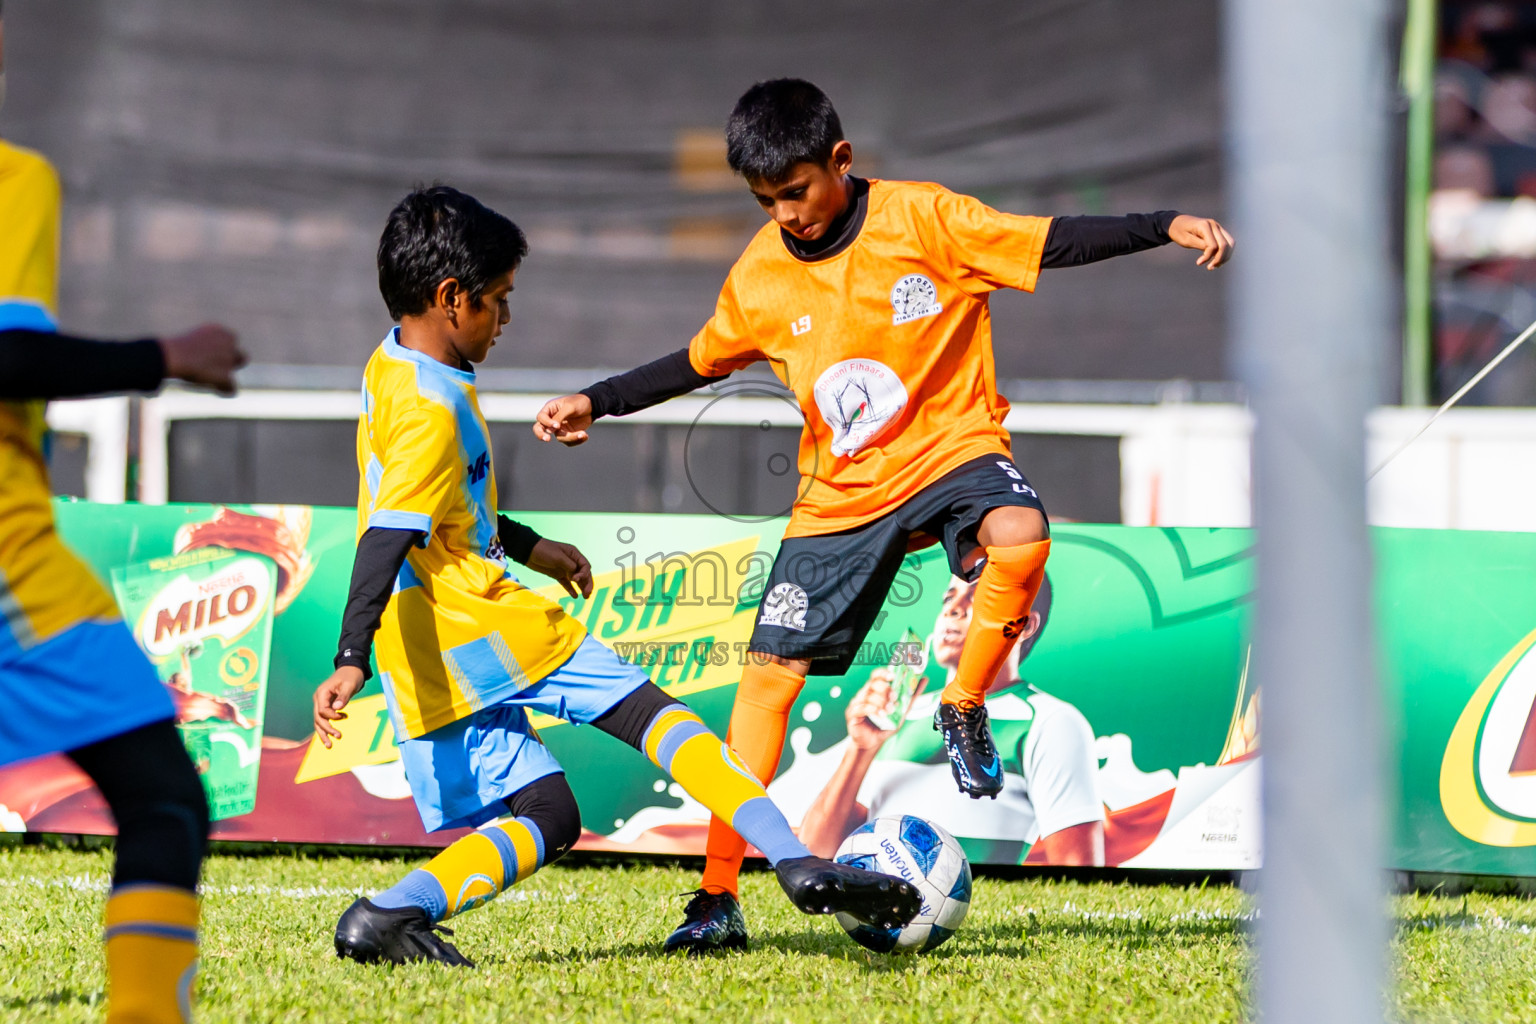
<point>876,940</point>
<point>924,843</point>
<point>863,861</point>
<point>961,890</point>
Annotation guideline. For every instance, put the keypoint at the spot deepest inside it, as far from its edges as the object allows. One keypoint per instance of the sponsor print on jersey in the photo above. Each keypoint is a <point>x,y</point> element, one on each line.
<point>914,297</point>
<point>858,399</point>
<point>784,607</point>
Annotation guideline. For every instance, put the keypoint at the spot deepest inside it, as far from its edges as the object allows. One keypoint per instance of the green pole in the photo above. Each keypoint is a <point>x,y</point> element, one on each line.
<point>1418,84</point>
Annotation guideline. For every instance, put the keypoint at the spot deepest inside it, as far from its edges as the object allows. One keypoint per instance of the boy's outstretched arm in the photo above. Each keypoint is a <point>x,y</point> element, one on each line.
<point>44,364</point>
<point>566,419</point>
<point>1075,241</point>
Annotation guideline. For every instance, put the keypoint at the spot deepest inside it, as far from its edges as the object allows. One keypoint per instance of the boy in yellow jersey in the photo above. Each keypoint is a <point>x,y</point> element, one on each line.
<point>71,676</point>
<point>869,299</point>
<point>465,649</point>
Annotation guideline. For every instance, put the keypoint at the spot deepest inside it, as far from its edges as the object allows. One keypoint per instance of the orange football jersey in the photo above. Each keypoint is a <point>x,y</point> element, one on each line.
<point>887,345</point>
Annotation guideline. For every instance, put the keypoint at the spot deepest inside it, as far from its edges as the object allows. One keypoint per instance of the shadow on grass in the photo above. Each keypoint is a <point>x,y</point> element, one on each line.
<point>1017,941</point>
<point>1123,932</point>
<point>808,942</point>
<point>63,997</point>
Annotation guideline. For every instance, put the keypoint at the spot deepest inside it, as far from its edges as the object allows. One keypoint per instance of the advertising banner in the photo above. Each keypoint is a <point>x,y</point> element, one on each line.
<point>1129,730</point>
<point>204,617</point>
<point>1457,620</point>
<point>1128,734</point>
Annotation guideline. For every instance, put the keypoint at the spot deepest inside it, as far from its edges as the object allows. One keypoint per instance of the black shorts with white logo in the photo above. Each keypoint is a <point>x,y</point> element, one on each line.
<point>825,592</point>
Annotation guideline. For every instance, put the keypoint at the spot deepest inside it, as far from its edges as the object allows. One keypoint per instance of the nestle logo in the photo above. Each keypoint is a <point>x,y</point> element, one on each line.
<point>1218,837</point>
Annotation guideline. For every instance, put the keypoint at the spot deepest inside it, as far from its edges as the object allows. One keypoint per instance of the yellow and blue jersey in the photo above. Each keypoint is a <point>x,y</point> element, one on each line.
<point>44,588</point>
<point>460,632</point>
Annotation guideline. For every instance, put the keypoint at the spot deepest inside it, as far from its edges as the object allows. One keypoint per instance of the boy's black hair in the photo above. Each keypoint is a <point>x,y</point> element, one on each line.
<point>778,124</point>
<point>437,233</point>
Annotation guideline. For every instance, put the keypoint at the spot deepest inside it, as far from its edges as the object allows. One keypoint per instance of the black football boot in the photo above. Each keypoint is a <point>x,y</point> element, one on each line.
<point>710,921</point>
<point>819,886</point>
<point>370,934</point>
<point>973,756</point>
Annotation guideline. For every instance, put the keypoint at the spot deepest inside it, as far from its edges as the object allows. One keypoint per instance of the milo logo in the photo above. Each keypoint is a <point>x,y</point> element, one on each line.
<point>187,610</point>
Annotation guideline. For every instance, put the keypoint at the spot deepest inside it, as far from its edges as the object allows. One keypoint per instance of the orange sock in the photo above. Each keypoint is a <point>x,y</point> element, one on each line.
<point>759,723</point>
<point>1004,594</point>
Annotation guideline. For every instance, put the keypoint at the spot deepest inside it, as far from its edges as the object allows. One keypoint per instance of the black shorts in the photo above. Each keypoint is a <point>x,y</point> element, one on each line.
<point>824,592</point>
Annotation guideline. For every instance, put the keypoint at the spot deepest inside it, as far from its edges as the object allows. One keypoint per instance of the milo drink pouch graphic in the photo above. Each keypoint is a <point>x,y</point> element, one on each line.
<point>205,620</point>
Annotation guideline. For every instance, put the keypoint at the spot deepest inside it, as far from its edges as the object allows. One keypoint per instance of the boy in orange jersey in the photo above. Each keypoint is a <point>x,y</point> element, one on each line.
<point>869,299</point>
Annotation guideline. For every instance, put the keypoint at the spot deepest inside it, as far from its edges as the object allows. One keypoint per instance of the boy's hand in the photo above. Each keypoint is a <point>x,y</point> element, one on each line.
<point>206,355</point>
<point>874,697</point>
<point>331,696</point>
<point>564,564</point>
<point>1203,233</point>
<point>565,420</point>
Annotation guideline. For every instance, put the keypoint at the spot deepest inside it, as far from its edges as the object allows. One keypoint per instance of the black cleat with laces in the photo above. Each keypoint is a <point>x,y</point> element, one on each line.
<point>819,886</point>
<point>371,934</point>
<point>973,756</point>
<point>711,921</point>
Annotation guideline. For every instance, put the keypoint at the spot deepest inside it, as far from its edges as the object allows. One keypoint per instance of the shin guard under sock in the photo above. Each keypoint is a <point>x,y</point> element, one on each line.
<point>151,954</point>
<point>759,723</point>
<point>999,608</point>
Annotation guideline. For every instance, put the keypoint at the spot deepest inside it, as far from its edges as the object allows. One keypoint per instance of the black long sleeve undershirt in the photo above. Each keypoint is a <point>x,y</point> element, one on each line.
<point>42,364</point>
<point>1074,241</point>
<point>516,539</point>
<point>381,552</point>
<point>1071,242</point>
<point>645,386</point>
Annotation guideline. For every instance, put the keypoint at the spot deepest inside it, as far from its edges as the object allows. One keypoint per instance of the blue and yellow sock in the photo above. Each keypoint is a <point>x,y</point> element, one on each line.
<point>151,954</point>
<point>471,872</point>
<point>679,743</point>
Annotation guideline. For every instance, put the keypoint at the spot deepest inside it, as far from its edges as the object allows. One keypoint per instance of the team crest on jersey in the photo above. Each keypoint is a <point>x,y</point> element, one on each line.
<point>913,298</point>
<point>859,399</point>
<point>784,607</point>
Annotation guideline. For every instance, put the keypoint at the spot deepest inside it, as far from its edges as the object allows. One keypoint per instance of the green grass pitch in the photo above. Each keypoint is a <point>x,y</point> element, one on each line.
<point>581,944</point>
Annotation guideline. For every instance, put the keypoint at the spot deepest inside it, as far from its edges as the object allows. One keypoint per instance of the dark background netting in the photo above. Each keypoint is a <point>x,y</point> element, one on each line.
<point>231,159</point>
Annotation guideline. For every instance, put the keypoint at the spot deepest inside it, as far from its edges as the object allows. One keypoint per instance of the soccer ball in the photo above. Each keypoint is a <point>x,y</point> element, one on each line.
<point>928,857</point>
